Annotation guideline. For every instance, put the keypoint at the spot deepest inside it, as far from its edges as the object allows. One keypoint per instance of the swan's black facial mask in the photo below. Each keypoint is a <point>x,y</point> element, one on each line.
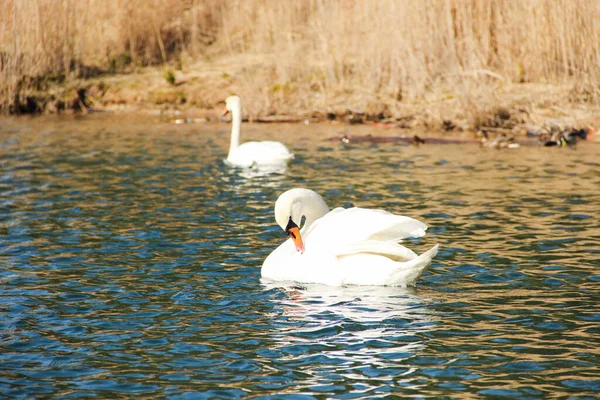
<point>293,232</point>
<point>288,229</point>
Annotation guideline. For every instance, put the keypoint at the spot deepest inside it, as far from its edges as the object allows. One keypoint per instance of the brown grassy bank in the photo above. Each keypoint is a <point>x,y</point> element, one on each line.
<point>473,63</point>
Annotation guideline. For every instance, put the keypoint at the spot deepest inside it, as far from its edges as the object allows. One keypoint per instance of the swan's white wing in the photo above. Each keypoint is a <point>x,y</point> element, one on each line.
<point>361,268</point>
<point>379,269</point>
<point>394,251</point>
<point>260,153</point>
<point>346,230</point>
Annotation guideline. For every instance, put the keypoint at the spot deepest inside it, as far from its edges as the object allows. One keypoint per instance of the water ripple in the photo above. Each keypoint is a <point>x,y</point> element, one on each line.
<point>130,263</point>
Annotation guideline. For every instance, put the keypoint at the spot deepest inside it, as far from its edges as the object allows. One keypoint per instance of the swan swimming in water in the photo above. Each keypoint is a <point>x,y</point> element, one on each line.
<point>345,246</point>
<point>252,154</point>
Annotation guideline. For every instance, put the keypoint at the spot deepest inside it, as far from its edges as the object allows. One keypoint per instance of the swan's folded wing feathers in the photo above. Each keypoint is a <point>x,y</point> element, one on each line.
<point>393,251</point>
<point>324,225</point>
<point>342,228</point>
<point>375,269</point>
<point>401,228</point>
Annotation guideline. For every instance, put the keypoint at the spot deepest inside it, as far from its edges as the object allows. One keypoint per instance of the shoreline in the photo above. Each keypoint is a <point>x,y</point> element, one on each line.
<point>197,93</point>
<point>444,66</point>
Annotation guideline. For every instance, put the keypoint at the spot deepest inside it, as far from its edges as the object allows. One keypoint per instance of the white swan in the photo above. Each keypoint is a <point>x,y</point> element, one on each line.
<point>353,246</point>
<point>251,154</point>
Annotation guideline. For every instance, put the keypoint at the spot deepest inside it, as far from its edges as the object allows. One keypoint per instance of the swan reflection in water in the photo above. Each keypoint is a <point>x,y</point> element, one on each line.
<point>356,331</point>
<point>259,171</point>
<point>253,181</point>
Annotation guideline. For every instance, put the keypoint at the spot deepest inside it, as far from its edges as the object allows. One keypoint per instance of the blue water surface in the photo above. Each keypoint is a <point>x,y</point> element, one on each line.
<point>130,267</point>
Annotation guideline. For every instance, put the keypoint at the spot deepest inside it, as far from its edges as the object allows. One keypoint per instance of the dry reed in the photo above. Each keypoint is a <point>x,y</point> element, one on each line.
<point>52,40</point>
<point>390,57</point>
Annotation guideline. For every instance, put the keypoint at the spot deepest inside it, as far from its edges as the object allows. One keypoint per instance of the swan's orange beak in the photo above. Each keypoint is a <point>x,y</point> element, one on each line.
<point>225,111</point>
<point>294,233</point>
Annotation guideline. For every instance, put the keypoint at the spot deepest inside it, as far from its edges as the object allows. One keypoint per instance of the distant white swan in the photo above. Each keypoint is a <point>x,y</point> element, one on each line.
<point>353,246</point>
<point>251,154</point>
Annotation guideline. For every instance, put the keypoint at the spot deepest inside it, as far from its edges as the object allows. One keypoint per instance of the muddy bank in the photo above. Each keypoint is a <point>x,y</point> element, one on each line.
<point>197,94</point>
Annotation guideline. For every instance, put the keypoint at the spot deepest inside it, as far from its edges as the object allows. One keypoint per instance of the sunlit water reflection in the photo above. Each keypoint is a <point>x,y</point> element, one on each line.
<point>130,265</point>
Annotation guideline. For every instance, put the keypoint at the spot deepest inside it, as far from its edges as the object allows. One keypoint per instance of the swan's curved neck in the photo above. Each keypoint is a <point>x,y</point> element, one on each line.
<point>309,219</point>
<point>298,203</point>
<point>236,124</point>
<point>312,210</point>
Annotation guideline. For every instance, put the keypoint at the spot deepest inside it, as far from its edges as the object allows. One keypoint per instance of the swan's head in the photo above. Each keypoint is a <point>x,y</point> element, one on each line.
<point>233,104</point>
<point>294,205</point>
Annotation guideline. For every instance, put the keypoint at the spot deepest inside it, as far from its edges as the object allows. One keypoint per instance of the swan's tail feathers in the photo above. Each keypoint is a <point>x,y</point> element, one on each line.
<point>408,272</point>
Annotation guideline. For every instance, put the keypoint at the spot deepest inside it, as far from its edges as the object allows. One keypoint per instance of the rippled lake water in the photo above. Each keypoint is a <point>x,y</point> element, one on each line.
<point>130,266</point>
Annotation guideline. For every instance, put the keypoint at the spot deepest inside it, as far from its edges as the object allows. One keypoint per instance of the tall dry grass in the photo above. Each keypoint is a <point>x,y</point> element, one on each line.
<point>381,56</point>
<point>392,55</point>
<point>49,40</point>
